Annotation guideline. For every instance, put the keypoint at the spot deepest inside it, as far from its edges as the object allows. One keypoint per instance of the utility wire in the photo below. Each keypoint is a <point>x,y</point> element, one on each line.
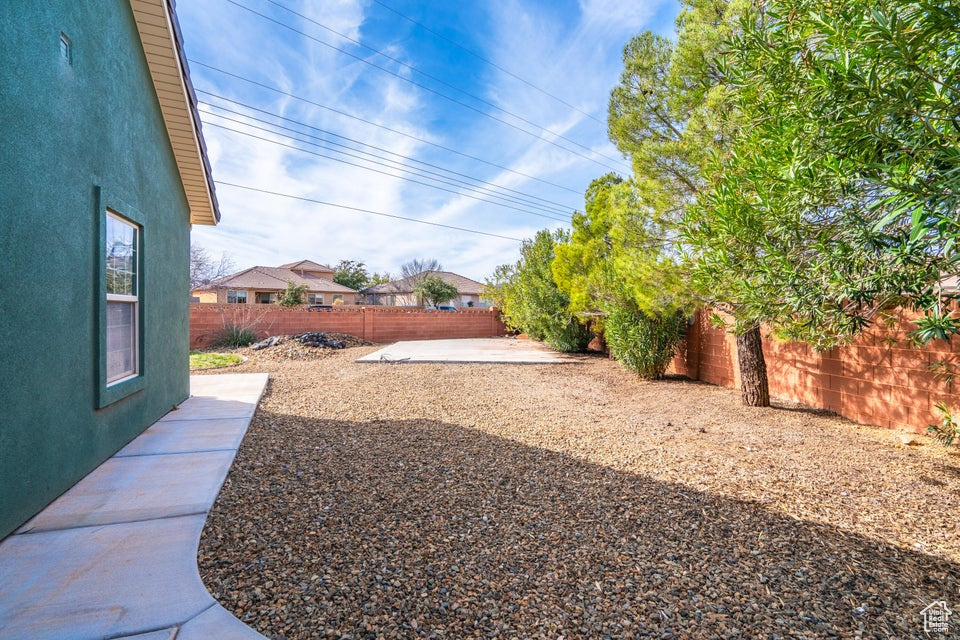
<point>489,62</point>
<point>483,185</point>
<point>550,213</point>
<point>430,76</point>
<point>392,175</point>
<point>358,209</point>
<point>447,97</point>
<point>371,123</point>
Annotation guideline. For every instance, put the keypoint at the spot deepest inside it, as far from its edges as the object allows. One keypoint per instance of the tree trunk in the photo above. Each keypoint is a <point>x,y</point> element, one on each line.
<point>753,369</point>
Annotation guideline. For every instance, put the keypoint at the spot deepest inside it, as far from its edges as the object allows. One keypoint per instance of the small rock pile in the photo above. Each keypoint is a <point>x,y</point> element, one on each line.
<point>320,340</point>
<point>302,346</point>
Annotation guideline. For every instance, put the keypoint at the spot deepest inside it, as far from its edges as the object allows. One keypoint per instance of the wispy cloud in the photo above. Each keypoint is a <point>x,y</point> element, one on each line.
<point>574,55</point>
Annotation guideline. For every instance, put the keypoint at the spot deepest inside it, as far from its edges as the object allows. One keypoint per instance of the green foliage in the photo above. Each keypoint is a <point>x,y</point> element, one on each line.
<point>935,326</point>
<point>235,335</point>
<point>434,291</point>
<point>618,254</point>
<point>351,273</point>
<point>377,278</point>
<point>948,429</point>
<point>293,295</point>
<point>836,196</point>
<point>643,343</point>
<point>529,300</point>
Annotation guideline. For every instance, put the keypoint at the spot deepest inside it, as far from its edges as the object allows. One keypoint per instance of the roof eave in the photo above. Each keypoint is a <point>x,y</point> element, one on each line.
<point>162,45</point>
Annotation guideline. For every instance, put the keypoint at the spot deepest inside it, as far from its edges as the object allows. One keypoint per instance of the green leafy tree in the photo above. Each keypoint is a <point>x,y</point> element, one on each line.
<point>434,291</point>
<point>622,276</point>
<point>838,197</point>
<point>351,273</point>
<point>293,295</point>
<point>528,297</point>
<point>671,115</point>
<point>377,278</point>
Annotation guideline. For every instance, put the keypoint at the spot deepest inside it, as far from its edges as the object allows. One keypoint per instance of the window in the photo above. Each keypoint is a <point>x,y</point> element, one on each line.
<point>264,297</point>
<point>123,297</point>
<point>314,298</point>
<point>337,298</point>
<point>236,297</point>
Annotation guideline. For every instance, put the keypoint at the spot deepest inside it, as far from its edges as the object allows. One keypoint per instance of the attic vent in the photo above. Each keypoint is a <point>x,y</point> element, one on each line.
<point>66,48</point>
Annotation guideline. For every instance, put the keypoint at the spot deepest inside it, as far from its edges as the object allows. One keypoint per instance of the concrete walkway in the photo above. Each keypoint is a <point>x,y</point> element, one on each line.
<point>467,350</point>
<point>116,555</point>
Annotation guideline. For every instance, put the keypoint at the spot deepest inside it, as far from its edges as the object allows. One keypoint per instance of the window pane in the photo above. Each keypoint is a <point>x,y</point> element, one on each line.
<point>121,253</point>
<point>121,340</point>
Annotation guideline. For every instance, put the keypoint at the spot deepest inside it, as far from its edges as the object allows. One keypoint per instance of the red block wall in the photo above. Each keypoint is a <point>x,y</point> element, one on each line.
<point>376,324</point>
<point>881,379</point>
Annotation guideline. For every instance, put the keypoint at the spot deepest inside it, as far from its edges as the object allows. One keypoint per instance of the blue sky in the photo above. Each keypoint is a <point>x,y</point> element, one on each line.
<point>512,140</point>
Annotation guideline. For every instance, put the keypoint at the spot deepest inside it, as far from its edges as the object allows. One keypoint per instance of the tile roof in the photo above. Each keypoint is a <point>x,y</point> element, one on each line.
<point>305,265</point>
<point>275,279</point>
<point>464,285</point>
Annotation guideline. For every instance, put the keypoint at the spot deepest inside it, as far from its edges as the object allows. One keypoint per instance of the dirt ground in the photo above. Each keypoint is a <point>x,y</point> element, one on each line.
<point>569,501</point>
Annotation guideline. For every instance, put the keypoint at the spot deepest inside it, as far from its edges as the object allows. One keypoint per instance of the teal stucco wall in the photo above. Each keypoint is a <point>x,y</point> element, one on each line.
<point>71,130</point>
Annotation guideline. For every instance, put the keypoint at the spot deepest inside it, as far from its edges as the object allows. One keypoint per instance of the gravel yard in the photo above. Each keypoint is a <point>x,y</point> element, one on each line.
<point>569,501</point>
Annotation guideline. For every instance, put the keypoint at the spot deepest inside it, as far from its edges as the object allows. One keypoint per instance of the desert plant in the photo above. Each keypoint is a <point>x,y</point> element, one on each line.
<point>235,335</point>
<point>948,429</point>
<point>241,324</point>
<point>642,342</point>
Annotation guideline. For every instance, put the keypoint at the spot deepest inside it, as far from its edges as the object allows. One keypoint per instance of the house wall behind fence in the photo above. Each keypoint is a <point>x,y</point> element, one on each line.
<point>881,379</point>
<point>376,324</point>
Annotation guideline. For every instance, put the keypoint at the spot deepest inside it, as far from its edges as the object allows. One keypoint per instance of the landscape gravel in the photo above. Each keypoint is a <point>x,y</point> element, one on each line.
<point>569,501</point>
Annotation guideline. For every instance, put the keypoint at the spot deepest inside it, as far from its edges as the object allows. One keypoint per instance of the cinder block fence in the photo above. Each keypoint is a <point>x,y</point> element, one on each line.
<point>376,324</point>
<point>881,379</point>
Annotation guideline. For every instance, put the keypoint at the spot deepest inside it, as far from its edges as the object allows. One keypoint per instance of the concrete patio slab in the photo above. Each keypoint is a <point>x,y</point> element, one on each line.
<point>470,350</point>
<point>115,556</point>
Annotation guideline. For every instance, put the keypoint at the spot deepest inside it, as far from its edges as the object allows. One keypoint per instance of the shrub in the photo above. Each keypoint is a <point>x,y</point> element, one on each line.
<point>235,335</point>
<point>529,300</point>
<point>949,428</point>
<point>643,343</point>
<point>293,295</point>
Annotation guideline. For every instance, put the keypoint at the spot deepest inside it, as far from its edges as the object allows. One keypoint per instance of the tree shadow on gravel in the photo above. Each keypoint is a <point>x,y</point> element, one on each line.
<point>421,529</point>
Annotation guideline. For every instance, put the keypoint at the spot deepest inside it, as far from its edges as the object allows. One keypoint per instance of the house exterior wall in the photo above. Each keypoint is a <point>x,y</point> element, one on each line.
<point>219,296</point>
<point>410,300</point>
<point>78,136</point>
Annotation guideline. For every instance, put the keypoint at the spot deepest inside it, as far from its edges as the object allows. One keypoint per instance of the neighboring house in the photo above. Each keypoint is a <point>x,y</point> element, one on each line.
<point>399,293</point>
<point>103,171</point>
<point>264,285</point>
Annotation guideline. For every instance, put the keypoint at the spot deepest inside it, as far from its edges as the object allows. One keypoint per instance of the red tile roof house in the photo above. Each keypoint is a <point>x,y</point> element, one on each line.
<point>263,285</point>
<point>399,293</point>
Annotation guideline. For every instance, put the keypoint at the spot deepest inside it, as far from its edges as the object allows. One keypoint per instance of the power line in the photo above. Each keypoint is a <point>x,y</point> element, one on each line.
<point>392,175</point>
<point>489,62</point>
<point>509,199</point>
<point>482,186</point>
<point>373,124</point>
<point>447,97</point>
<point>358,209</point>
<point>433,77</point>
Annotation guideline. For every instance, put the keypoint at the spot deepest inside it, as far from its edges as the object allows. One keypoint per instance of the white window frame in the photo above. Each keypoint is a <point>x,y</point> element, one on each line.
<point>237,293</point>
<point>133,300</point>
<point>314,298</point>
